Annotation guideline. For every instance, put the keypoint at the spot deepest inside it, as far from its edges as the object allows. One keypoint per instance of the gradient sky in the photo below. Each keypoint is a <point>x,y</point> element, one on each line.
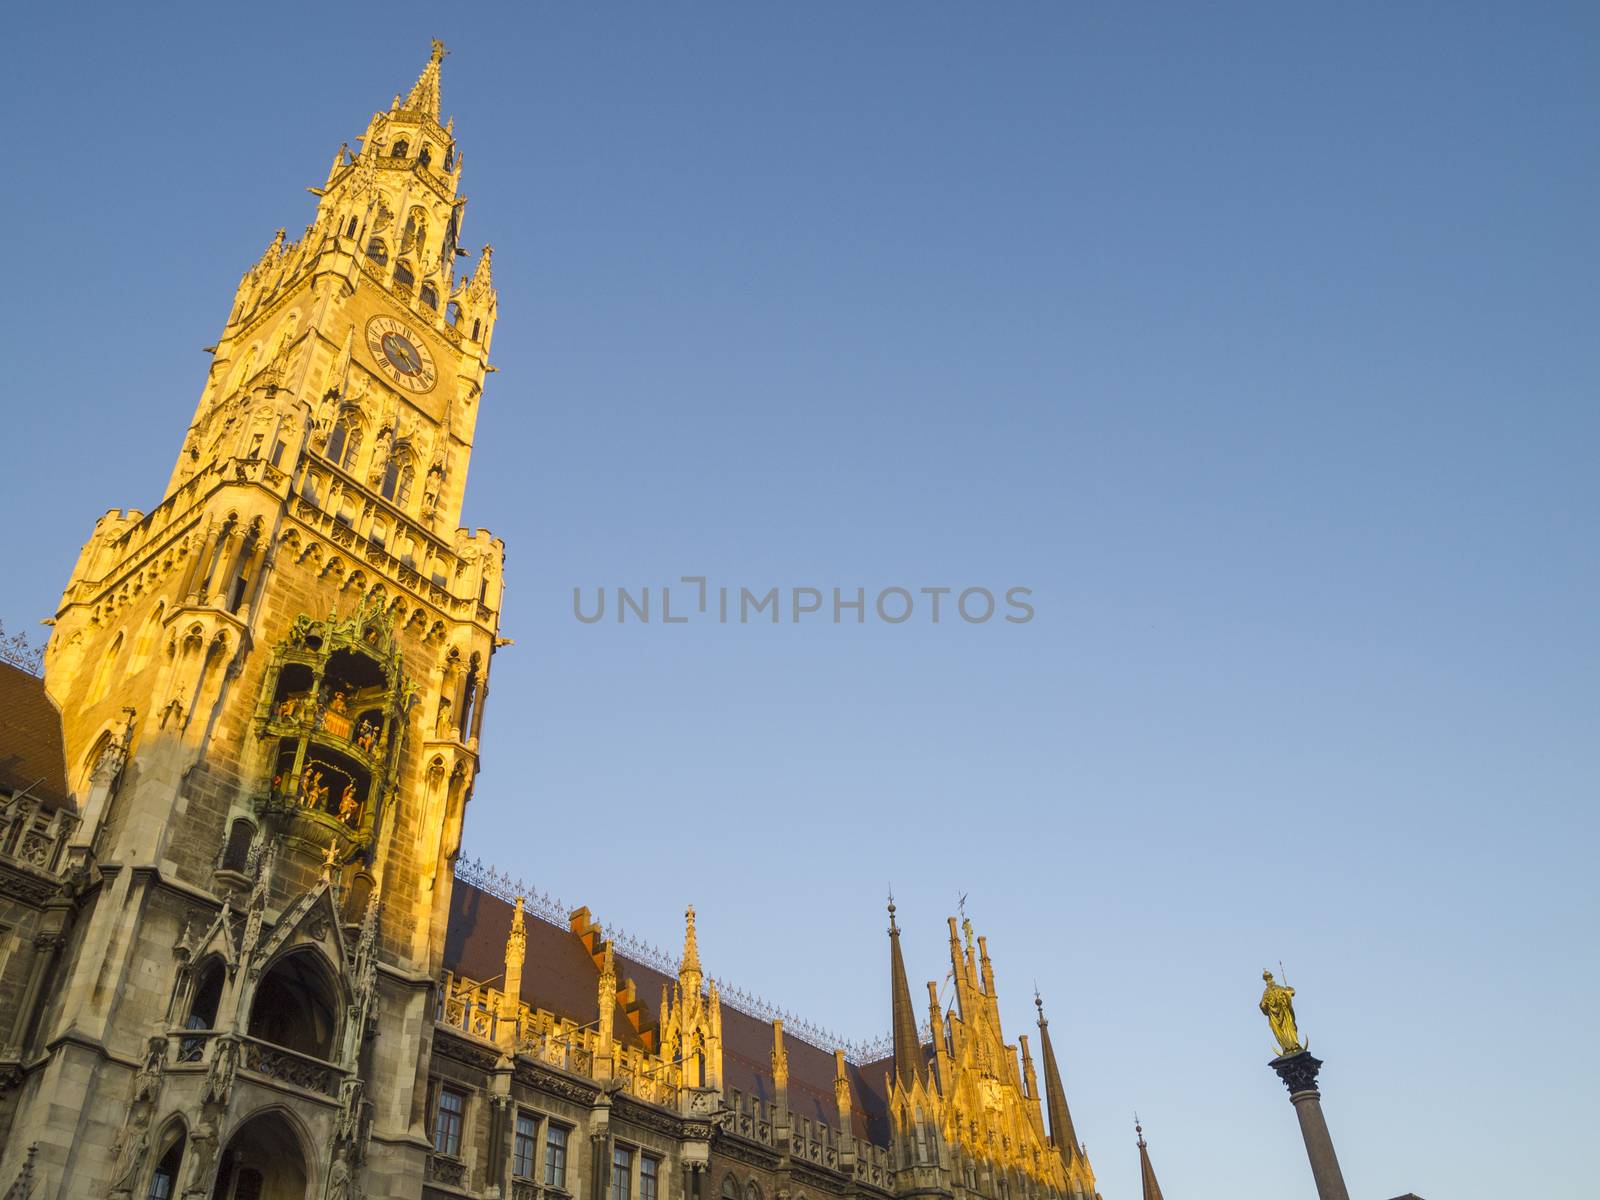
<point>1259,343</point>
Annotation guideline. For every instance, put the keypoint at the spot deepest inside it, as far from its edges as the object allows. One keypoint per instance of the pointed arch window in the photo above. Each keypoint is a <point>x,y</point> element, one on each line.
<point>350,230</point>
<point>397,480</point>
<point>378,251</point>
<point>106,672</point>
<point>429,295</point>
<point>352,446</point>
<point>401,149</point>
<point>452,313</point>
<point>164,1183</point>
<point>344,443</point>
<point>403,278</point>
<point>425,157</point>
<point>145,646</point>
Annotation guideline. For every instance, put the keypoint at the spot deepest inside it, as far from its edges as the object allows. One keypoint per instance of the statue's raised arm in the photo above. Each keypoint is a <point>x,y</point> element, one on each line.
<point>1277,1003</point>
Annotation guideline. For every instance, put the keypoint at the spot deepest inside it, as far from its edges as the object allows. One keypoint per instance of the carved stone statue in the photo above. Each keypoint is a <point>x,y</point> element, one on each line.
<point>133,1156</point>
<point>1277,1003</point>
<point>339,1178</point>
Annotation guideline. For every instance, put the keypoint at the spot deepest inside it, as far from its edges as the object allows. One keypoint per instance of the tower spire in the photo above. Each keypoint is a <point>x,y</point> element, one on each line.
<point>691,947</point>
<point>907,1046</point>
<point>1147,1173</point>
<point>424,96</point>
<point>1062,1134</point>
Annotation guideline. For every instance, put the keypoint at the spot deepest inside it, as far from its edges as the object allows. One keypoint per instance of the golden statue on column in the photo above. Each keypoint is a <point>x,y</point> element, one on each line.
<point>1277,1003</point>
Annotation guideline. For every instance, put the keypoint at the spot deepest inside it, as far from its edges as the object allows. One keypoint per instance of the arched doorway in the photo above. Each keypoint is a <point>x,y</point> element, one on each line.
<point>263,1161</point>
<point>295,1006</point>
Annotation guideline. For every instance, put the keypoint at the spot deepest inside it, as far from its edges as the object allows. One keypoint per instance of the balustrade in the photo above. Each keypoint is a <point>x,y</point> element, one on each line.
<point>289,1066</point>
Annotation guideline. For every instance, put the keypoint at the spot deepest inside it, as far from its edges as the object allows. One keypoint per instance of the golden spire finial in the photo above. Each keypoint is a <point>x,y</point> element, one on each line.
<point>691,948</point>
<point>424,95</point>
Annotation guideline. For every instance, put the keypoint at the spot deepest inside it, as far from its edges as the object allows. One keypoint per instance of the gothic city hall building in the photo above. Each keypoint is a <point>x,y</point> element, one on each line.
<point>238,957</point>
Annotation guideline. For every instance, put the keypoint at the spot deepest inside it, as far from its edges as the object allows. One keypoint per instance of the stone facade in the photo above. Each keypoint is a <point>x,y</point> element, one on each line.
<point>236,959</point>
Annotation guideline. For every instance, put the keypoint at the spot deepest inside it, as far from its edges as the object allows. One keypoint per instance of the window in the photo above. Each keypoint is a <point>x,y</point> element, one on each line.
<point>621,1173</point>
<point>447,1123</point>
<point>649,1177</point>
<point>452,313</point>
<point>400,149</point>
<point>336,442</point>
<point>163,1184</point>
<point>555,1156</point>
<point>425,157</point>
<point>522,1147</point>
<point>730,1188</point>
<point>378,251</point>
<point>429,295</point>
<point>351,445</point>
<point>236,854</point>
<point>350,229</point>
<point>403,276</point>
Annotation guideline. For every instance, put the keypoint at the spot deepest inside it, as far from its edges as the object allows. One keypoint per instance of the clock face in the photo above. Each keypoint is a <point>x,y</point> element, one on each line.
<point>401,353</point>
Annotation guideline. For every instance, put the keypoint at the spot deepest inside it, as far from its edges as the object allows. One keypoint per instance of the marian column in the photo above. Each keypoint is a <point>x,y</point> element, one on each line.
<point>1298,1070</point>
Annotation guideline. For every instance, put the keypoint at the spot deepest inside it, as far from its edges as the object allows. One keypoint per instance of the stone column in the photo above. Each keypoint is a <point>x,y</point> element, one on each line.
<point>1299,1075</point>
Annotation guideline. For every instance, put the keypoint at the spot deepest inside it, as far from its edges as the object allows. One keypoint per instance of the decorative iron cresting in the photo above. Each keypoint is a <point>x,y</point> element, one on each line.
<point>19,652</point>
<point>551,910</point>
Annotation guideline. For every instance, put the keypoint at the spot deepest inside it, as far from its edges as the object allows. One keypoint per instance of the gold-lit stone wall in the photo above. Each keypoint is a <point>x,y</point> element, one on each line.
<point>318,485</point>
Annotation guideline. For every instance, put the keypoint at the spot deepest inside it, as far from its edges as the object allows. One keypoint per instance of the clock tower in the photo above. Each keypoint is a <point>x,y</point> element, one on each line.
<point>272,687</point>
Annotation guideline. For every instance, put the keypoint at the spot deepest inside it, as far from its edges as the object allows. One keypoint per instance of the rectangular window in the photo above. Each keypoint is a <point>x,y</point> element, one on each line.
<point>522,1146</point>
<point>555,1157</point>
<point>621,1174</point>
<point>649,1176</point>
<point>447,1124</point>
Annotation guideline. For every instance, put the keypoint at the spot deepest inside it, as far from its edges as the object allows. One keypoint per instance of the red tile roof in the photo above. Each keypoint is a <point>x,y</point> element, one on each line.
<point>32,753</point>
<point>560,976</point>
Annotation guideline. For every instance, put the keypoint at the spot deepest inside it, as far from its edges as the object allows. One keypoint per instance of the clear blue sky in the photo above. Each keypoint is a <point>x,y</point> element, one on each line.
<point>1259,343</point>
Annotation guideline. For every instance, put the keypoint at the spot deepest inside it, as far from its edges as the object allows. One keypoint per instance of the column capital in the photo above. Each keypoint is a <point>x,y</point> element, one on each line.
<point>1298,1072</point>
